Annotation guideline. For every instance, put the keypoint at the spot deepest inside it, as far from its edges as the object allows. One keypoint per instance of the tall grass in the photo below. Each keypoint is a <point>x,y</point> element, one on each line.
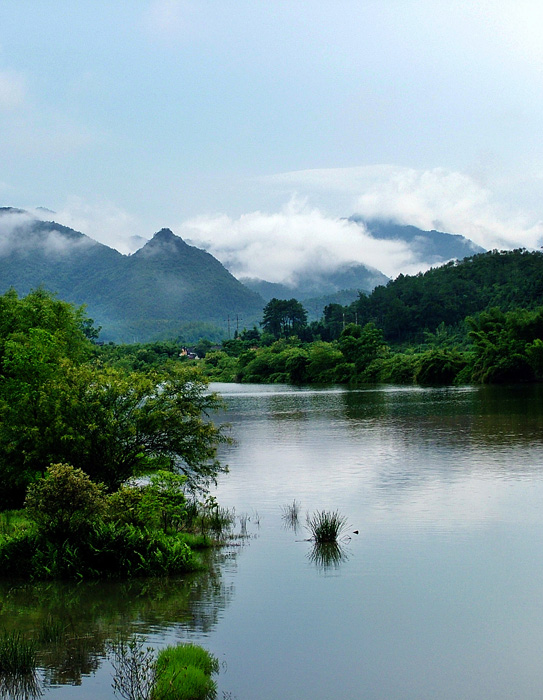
<point>326,526</point>
<point>107,551</point>
<point>17,654</point>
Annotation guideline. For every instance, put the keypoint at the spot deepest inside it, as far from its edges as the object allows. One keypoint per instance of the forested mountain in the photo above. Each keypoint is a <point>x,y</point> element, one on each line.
<point>432,247</point>
<point>164,289</point>
<point>408,305</point>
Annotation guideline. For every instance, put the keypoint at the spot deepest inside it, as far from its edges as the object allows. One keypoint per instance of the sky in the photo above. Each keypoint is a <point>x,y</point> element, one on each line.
<point>254,128</point>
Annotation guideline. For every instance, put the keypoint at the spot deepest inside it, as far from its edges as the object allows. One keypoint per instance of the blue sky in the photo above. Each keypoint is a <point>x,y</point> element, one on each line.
<point>243,125</point>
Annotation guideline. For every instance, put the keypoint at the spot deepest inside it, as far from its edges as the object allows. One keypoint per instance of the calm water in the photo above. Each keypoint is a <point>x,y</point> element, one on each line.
<point>440,595</point>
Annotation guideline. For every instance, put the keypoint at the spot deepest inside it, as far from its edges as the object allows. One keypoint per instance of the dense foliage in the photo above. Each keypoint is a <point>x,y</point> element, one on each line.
<point>409,305</point>
<point>57,405</point>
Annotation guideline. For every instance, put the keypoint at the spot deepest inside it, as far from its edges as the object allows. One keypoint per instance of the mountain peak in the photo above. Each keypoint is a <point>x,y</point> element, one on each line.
<point>165,234</point>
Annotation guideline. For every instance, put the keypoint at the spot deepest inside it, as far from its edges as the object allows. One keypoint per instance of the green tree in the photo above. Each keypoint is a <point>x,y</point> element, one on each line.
<point>362,345</point>
<point>283,318</point>
<point>56,407</point>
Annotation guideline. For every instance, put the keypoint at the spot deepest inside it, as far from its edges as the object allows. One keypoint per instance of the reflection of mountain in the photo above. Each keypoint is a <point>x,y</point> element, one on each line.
<point>90,615</point>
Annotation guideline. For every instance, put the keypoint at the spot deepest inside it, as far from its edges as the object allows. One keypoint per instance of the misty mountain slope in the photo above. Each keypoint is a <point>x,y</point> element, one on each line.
<point>352,278</point>
<point>180,280</point>
<point>42,253</point>
<point>431,247</point>
<point>154,293</point>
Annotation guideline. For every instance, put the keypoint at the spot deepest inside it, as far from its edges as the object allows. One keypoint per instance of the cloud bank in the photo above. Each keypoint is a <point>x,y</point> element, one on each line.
<point>302,237</point>
<point>440,199</point>
<point>104,222</point>
<point>296,240</point>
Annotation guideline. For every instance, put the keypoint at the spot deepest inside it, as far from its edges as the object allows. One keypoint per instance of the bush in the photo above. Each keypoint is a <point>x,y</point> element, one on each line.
<point>163,500</point>
<point>124,506</point>
<point>64,501</point>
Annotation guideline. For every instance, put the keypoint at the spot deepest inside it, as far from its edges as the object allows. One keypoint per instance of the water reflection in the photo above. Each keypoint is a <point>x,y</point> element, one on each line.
<point>73,624</point>
<point>290,515</point>
<point>327,555</point>
<point>21,686</point>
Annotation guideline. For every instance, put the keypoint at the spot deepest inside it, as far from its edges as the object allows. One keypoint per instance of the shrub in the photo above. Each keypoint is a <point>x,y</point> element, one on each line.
<point>163,500</point>
<point>135,669</point>
<point>64,501</point>
<point>124,506</point>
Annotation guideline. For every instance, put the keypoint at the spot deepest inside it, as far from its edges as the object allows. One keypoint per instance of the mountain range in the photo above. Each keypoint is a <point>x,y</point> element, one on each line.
<point>168,288</point>
<point>165,289</point>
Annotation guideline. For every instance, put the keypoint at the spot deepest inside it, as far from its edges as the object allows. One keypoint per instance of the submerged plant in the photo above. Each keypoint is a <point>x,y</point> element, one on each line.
<point>326,526</point>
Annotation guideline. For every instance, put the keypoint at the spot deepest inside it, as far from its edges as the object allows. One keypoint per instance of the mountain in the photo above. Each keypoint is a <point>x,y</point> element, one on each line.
<point>430,247</point>
<point>353,277</point>
<point>164,289</point>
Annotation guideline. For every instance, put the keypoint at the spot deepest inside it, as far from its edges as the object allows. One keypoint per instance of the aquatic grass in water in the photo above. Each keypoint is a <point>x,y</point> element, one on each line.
<point>51,631</point>
<point>17,654</point>
<point>184,673</point>
<point>291,514</point>
<point>326,526</point>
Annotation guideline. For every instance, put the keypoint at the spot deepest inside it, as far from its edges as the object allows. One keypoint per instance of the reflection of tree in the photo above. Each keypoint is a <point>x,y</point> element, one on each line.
<point>328,555</point>
<point>85,617</point>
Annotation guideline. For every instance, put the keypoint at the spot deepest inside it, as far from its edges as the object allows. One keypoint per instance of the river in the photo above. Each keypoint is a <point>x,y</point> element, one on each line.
<point>435,593</point>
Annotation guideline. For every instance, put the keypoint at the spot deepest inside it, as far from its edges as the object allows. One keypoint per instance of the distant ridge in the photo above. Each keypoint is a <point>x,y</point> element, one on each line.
<point>431,247</point>
<point>156,292</point>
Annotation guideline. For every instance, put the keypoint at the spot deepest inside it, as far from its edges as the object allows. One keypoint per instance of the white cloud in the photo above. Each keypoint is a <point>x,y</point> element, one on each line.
<point>12,90</point>
<point>297,239</point>
<point>449,201</point>
<point>16,235</point>
<point>104,222</point>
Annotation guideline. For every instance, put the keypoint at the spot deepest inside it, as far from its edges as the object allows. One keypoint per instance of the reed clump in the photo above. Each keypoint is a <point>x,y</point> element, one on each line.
<point>326,526</point>
<point>17,654</point>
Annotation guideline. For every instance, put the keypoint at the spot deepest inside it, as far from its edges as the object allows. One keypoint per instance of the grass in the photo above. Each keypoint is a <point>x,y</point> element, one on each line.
<point>51,631</point>
<point>291,513</point>
<point>12,521</point>
<point>17,654</point>
<point>326,526</point>
<point>184,673</point>
<point>178,672</point>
